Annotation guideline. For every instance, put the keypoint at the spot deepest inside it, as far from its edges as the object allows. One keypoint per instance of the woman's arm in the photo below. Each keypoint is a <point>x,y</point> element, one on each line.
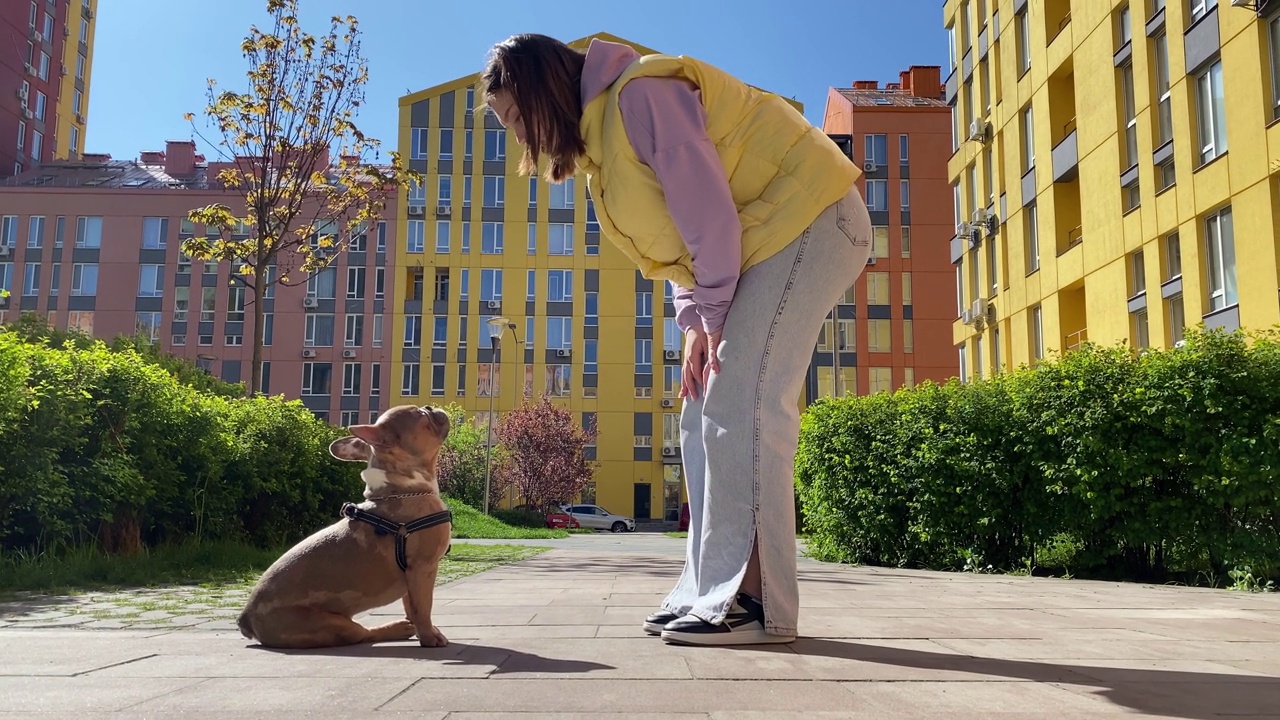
<point>666,124</point>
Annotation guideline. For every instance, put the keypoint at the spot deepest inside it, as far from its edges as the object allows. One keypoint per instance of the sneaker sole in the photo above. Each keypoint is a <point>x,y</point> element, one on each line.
<point>725,638</point>
<point>653,628</point>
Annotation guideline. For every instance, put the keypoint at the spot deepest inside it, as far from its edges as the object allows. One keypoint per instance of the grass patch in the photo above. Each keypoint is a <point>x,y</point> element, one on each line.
<point>677,534</point>
<point>469,523</point>
<point>217,575</point>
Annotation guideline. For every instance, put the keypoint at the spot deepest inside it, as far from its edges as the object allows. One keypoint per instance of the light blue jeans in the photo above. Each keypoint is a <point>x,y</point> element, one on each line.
<point>739,439</point>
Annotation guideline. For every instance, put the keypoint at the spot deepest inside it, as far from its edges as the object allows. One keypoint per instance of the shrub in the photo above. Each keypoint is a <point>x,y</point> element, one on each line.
<point>1142,466</point>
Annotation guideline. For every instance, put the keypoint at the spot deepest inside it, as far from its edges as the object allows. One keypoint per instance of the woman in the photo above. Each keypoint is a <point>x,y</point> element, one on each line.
<point>751,213</point>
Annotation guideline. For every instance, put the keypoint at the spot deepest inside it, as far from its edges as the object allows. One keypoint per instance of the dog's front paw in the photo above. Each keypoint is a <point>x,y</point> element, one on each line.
<point>432,638</point>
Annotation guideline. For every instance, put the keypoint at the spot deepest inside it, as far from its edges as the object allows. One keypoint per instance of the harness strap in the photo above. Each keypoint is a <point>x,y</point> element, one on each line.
<point>401,531</point>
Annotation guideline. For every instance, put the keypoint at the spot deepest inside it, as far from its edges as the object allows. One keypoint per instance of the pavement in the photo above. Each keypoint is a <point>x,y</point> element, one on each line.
<point>558,636</point>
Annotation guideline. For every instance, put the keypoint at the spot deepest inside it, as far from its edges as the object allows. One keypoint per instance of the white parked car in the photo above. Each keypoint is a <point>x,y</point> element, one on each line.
<point>597,518</point>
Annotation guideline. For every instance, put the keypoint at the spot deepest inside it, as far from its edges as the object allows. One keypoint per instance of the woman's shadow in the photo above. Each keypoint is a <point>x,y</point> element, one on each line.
<point>1169,693</point>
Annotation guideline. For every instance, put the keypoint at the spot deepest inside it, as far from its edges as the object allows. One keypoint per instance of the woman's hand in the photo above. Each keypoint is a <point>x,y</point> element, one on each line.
<point>700,360</point>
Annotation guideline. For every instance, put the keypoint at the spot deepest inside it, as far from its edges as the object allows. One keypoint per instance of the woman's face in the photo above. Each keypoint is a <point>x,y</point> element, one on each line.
<point>504,106</point>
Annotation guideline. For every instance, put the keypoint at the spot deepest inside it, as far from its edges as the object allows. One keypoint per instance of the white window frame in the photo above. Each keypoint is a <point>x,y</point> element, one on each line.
<point>1211,115</point>
<point>1220,260</point>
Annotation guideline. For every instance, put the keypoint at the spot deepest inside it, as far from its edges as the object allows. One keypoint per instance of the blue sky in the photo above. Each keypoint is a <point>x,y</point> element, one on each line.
<point>153,56</point>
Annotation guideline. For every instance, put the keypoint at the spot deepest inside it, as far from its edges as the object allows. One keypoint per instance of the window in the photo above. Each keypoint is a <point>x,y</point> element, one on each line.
<point>592,309</point>
<point>377,331</point>
<point>1024,42</point>
<point>382,236</point>
<point>323,284</point>
<point>1141,329</point>
<point>904,194</point>
<point>471,99</point>
<point>528,333</point>
<point>491,238</point>
<point>151,281</point>
<point>1211,113</point>
<point>670,380</point>
<point>351,378</point>
<point>41,102</point>
<point>1037,333</point>
<point>318,331</point>
<point>559,285</point>
<point>533,239</point>
<point>903,146</point>
<point>84,279</point>
<point>906,288</point>
<point>559,333</point>
<point>880,241</point>
<point>1033,239</point>
<point>466,238</point>
<point>1177,318</point>
<point>375,380</point>
<point>316,378</point>
<point>417,195</point>
<point>533,192</point>
<point>495,191</point>
<point>560,239</point>
<point>644,356</point>
<point>879,337</point>
<point>81,320</point>
<point>644,309</point>
<point>1137,274</point>
<point>416,236</point>
<point>1221,260</point>
<point>154,232</point>
<point>208,303</point>
<point>495,144</point>
<point>672,338</point>
<point>181,303</point>
<point>1124,27</point>
<point>468,145</point>
<point>881,380</point>
<point>876,149</point>
<point>905,232</point>
<point>409,379</point>
<point>437,380</point>
<point>908,336</point>
<point>147,324</point>
<point>355,282</point>
<point>464,283</point>
<point>446,144</point>
<point>442,236</point>
<point>1273,42</point>
<point>30,279</point>
<point>88,232</point>
<point>490,285</point>
<point>379,283</point>
<point>55,280</point>
<point>1129,107</point>
<point>1172,257</point>
<point>412,331</point>
<point>9,231</point>
<point>354,334</point>
<point>44,67</point>
<point>1028,141</point>
<point>22,138</point>
<point>444,190</point>
<point>593,223</point>
<point>440,332</point>
<point>877,288</point>
<point>558,383</point>
<point>562,195</point>
<point>1200,8</point>
<point>877,195</point>
<point>77,102</point>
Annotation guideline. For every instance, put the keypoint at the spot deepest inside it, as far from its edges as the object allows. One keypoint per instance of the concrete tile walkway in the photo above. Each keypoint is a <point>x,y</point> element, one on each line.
<point>558,637</point>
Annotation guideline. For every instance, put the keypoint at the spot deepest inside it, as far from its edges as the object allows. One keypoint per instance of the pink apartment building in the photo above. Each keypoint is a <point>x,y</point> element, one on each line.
<point>95,244</point>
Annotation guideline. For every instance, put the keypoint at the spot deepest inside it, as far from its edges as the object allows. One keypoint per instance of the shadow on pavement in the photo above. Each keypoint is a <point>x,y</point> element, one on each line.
<point>503,660</point>
<point>1169,693</point>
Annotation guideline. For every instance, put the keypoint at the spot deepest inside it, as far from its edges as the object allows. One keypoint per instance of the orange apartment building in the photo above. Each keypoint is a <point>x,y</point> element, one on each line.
<point>893,327</point>
<point>95,244</point>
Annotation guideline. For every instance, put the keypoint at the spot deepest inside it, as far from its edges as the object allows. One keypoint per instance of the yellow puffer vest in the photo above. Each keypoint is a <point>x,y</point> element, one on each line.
<point>783,172</point>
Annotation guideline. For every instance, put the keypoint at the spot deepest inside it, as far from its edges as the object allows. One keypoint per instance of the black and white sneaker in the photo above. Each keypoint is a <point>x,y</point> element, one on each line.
<point>655,622</point>
<point>743,625</point>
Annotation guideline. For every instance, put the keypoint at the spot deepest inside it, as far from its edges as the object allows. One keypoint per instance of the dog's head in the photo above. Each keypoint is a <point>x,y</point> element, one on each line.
<point>404,441</point>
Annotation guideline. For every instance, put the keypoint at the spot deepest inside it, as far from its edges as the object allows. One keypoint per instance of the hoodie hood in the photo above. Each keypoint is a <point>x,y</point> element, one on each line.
<point>605,62</point>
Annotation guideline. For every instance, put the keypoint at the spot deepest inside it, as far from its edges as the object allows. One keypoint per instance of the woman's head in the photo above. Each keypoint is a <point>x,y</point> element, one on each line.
<point>534,85</point>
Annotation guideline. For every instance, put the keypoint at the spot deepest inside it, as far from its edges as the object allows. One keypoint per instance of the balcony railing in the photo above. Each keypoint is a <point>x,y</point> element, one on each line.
<point>1076,340</point>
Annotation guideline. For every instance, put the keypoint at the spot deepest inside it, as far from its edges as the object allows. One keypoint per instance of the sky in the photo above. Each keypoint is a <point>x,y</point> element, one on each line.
<point>152,58</point>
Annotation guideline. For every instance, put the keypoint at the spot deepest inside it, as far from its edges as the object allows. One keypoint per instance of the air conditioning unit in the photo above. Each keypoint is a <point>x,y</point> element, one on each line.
<point>4,251</point>
<point>348,353</point>
<point>668,402</point>
<point>310,302</point>
<point>671,354</point>
<point>27,67</point>
<point>88,14</point>
<point>979,309</point>
<point>66,30</point>
<point>668,451</point>
<point>963,229</point>
<point>965,317</point>
<point>870,166</point>
<point>871,260</point>
<point>22,94</point>
<point>80,119</point>
<point>308,353</point>
<point>978,130</point>
<point>63,70</point>
<point>442,211</point>
<point>27,114</point>
<point>35,35</point>
<point>563,352</point>
<point>415,211</point>
<point>493,304</point>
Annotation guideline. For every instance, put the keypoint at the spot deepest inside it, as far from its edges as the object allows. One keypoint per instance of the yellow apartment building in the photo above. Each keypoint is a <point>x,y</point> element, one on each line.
<point>77,70</point>
<point>508,293</point>
<point>1105,183</point>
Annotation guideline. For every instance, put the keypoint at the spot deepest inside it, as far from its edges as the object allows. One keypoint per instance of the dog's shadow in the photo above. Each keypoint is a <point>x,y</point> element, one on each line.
<point>502,660</point>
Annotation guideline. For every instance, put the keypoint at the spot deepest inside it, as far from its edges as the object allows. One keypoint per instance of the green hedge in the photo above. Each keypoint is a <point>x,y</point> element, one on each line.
<point>110,446</point>
<point>1104,463</point>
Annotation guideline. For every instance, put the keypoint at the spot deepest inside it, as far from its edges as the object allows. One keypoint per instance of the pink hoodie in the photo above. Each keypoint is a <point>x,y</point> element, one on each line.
<point>666,124</point>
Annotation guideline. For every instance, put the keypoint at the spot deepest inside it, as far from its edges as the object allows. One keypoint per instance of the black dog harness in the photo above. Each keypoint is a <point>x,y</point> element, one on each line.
<point>402,531</point>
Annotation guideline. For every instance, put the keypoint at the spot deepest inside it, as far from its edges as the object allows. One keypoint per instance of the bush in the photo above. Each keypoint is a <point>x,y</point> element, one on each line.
<point>1148,467</point>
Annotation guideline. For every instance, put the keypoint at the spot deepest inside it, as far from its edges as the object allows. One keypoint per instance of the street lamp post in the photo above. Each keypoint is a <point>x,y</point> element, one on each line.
<point>495,340</point>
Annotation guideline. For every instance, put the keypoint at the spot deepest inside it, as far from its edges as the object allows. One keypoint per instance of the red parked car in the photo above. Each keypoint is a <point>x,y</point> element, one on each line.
<point>562,520</point>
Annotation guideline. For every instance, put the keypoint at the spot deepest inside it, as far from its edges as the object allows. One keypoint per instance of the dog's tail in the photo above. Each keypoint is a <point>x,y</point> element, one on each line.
<point>246,625</point>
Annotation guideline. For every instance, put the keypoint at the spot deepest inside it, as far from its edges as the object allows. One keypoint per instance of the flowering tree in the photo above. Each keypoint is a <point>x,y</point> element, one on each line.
<point>300,209</point>
<point>546,448</point>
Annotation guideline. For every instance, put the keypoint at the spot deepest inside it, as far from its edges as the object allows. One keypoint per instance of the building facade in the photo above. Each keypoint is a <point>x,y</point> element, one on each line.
<point>1129,226</point>
<point>95,244</point>
<point>510,278</point>
<point>892,328</point>
<point>44,81</point>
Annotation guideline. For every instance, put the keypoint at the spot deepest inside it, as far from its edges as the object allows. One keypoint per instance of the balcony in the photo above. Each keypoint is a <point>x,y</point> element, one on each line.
<point>1057,16</point>
<point>1066,155</point>
<point>1073,316</point>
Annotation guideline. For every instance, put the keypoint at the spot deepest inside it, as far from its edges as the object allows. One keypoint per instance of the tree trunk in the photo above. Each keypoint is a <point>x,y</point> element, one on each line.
<point>259,321</point>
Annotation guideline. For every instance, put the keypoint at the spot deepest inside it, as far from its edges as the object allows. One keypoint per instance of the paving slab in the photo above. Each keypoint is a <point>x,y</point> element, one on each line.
<point>558,636</point>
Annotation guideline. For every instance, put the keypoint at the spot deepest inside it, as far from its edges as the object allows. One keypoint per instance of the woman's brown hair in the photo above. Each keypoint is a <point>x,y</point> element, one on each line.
<point>544,78</point>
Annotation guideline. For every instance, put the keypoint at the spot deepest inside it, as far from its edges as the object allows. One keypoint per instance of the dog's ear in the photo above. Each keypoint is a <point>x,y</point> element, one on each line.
<point>351,449</point>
